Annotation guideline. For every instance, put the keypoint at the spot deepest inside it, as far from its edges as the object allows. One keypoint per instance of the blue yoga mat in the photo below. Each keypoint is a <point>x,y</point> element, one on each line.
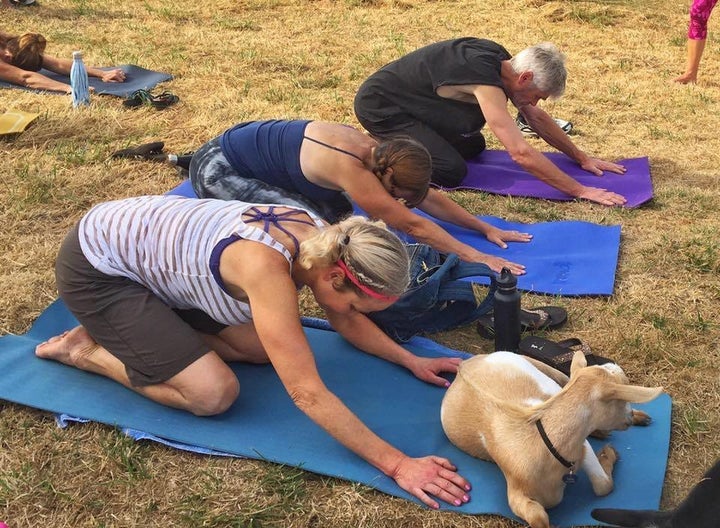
<point>136,78</point>
<point>570,258</point>
<point>495,172</point>
<point>264,423</point>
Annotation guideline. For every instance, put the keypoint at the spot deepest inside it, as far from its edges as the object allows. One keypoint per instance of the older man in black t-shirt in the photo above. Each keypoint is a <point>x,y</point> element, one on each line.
<point>443,94</point>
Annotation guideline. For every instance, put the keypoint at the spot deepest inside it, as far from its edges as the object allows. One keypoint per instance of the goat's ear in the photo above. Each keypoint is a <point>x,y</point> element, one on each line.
<point>578,361</point>
<point>630,393</point>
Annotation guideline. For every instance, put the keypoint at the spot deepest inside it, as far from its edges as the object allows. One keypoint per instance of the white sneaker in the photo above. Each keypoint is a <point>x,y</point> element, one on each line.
<point>565,125</point>
<point>524,127</point>
<point>528,131</point>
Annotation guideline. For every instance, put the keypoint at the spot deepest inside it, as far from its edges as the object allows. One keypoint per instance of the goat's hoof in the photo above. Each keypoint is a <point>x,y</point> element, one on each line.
<point>640,418</point>
<point>609,453</point>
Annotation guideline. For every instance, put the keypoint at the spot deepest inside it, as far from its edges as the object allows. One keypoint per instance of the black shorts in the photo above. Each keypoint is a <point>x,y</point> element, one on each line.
<point>152,340</point>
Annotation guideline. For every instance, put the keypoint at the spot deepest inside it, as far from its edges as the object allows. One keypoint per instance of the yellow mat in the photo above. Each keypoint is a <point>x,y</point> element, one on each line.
<point>15,121</point>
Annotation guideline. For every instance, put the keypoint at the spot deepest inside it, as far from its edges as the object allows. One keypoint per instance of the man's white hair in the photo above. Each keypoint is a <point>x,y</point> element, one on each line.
<point>547,63</point>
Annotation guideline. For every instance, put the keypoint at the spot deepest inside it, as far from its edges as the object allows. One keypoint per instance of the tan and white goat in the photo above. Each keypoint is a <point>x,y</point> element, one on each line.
<point>512,410</point>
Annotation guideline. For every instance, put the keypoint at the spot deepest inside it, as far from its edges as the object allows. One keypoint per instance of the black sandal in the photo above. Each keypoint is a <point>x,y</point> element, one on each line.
<point>164,100</point>
<point>540,318</point>
<point>558,354</point>
<point>147,151</point>
<point>143,97</point>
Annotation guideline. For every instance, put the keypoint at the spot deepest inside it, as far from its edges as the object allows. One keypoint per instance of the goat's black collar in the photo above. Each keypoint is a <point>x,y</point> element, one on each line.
<point>551,447</point>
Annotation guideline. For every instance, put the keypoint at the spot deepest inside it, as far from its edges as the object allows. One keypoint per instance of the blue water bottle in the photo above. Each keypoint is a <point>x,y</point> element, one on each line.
<point>79,81</point>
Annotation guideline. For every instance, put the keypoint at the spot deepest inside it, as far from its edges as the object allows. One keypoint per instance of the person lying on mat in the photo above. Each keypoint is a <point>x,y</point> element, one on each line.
<point>168,289</point>
<point>318,165</point>
<point>21,57</point>
<point>443,94</point>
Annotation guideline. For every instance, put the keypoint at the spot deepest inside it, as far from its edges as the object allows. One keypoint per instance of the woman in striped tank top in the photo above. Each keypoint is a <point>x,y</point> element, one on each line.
<point>163,288</point>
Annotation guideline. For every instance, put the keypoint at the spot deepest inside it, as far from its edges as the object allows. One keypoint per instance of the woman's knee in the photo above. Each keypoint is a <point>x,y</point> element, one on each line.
<point>217,397</point>
<point>207,387</point>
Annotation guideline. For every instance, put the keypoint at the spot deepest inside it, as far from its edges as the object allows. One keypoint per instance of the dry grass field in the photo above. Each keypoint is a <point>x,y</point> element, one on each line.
<point>236,60</point>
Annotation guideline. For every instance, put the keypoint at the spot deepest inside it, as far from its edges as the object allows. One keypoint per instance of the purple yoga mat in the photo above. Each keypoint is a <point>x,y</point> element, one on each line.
<point>495,172</point>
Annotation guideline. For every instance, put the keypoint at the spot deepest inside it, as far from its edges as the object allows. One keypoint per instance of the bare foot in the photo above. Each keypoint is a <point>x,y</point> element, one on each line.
<point>71,348</point>
<point>686,78</point>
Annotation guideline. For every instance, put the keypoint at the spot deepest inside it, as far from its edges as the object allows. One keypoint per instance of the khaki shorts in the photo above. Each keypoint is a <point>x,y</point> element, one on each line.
<point>152,340</point>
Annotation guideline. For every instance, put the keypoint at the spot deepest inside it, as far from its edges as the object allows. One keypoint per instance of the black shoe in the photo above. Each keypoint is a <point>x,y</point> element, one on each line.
<point>148,151</point>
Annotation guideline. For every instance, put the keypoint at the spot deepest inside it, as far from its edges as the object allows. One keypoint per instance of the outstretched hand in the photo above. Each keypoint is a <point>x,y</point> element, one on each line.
<point>501,236</point>
<point>602,196</point>
<point>432,475</point>
<point>429,369</point>
<point>498,263</point>
<point>116,75</point>
<point>598,166</point>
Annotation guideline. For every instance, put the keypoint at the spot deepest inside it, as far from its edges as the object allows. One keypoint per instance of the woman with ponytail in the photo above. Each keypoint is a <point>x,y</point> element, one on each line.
<point>322,166</point>
<point>22,57</point>
<point>169,289</point>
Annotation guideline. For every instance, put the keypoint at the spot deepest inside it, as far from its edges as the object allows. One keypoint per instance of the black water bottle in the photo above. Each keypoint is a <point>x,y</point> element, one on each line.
<point>506,312</point>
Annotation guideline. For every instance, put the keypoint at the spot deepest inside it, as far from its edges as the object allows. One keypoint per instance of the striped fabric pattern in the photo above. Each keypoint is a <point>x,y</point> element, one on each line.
<point>165,243</point>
